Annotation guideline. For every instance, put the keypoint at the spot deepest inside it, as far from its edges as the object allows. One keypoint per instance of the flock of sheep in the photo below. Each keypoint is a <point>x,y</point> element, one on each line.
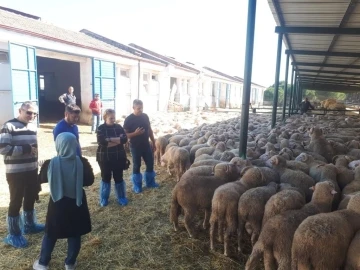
<point>297,195</point>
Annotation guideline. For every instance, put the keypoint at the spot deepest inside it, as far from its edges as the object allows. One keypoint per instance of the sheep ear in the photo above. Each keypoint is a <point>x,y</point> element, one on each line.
<point>276,160</point>
<point>333,192</point>
<point>311,130</point>
<point>312,188</point>
<point>348,158</point>
<point>334,159</point>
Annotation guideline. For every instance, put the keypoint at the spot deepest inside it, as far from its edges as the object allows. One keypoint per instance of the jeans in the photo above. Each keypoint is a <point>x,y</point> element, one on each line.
<point>95,121</point>
<point>47,247</point>
<point>145,152</point>
<point>22,186</point>
<point>111,168</point>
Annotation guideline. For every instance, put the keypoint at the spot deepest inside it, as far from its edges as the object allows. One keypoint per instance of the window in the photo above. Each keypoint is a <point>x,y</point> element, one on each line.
<point>41,82</point>
<point>154,77</point>
<point>124,73</point>
<point>4,58</point>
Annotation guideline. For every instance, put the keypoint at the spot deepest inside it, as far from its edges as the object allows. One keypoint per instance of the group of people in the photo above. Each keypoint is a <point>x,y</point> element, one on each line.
<point>68,215</point>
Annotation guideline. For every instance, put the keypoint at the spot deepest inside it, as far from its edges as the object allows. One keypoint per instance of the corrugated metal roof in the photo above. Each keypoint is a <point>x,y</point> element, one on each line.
<point>321,13</point>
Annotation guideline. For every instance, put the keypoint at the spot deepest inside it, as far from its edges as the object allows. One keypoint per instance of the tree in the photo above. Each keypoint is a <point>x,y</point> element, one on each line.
<point>269,92</point>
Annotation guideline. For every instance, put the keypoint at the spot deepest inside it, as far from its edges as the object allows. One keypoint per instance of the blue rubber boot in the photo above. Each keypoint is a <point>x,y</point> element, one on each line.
<point>105,189</point>
<point>136,179</point>
<point>149,178</point>
<point>30,225</point>
<point>120,191</point>
<point>15,237</point>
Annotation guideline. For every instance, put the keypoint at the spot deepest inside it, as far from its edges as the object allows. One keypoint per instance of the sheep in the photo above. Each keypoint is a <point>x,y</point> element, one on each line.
<point>176,139</point>
<point>309,160</point>
<point>177,158</point>
<point>251,211</point>
<point>227,156</point>
<point>252,177</point>
<point>206,162</point>
<point>297,166</point>
<point>185,142</point>
<point>205,150</point>
<point>224,212</point>
<point>296,178</point>
<point>321,241</point>
<point>290,198</point>
<point>194,149</point>
<point>320,145</point>
<point>160,144</point>
<point>352,257</point>
<point>203,157</point>
<point>345,175</point>
<point>353,186</point>
<point>192,193</point>
<point>276,236</point>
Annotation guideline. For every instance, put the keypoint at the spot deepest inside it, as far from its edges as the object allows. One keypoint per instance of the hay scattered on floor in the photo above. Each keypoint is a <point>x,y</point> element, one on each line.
<point>138,236</point>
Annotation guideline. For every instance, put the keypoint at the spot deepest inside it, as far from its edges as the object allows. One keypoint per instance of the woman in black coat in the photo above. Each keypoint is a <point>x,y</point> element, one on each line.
<point>68,214</point>
<point>111,157</point>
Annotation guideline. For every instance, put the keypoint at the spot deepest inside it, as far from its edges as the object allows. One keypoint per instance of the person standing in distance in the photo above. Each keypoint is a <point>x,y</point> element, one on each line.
<point>68,124</point>
<point>95,107</point>
<point>68,98</point>
<point>138,130</point>
<point>18,145</point>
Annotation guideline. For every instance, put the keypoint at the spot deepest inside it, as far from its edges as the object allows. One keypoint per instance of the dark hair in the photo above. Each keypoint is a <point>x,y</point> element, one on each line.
<point>137,102</point>
<point>72,108</point>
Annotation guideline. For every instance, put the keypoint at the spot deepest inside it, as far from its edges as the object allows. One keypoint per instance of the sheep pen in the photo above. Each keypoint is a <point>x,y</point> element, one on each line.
<point>138,236</point>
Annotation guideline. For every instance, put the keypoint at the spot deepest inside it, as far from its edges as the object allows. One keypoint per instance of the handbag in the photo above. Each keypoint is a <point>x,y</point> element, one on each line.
<point>127,164</point>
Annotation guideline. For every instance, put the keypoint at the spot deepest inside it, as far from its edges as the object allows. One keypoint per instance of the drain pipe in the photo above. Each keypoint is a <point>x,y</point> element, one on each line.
<point>138,95</point>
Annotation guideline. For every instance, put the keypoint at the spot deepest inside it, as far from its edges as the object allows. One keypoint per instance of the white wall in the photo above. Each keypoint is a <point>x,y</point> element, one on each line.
<point>6,100</point>
<point>86,90</point>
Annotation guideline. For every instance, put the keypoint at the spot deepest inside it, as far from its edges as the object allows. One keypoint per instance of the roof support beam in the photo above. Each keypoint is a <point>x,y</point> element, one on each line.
<point>276,86</point>
<point>317,30</point>
<point>315,80</point>
<point>325,82</point>
<point>337,78</point>
<point>323,53</point>
<point>286,86</point>
<point>250,33</point>
<point>325,65</point>
<point>329,72</point>
<point>329,87</point>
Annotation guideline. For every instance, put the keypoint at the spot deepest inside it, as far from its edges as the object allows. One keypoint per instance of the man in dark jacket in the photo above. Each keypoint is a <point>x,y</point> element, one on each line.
<point>305,105</point>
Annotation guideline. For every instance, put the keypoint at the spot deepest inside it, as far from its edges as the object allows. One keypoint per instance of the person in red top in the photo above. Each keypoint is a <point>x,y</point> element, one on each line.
<point>95,107</point>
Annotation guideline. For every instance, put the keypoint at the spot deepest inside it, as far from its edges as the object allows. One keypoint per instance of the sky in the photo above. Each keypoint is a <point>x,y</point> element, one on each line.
<point>205,32</point>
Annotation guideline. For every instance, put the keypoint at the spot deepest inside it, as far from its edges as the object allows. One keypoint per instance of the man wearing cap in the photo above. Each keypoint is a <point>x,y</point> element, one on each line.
<point>68,124</point>
<point>95,107</point>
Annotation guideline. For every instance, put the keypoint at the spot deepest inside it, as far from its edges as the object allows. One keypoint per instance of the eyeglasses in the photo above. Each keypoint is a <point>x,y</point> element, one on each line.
<point>31,113</point>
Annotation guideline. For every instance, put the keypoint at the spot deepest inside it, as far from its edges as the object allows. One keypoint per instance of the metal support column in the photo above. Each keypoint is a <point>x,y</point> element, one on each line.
<point>277,74</point>
<point>247,77</point>
<point>295,94</point>
<point>285,86</point>
<point>291,91</point>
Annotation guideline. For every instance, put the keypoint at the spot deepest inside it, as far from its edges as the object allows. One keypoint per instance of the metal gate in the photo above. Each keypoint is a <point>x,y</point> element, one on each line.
<point>23,75</point>
<point>104,82</point>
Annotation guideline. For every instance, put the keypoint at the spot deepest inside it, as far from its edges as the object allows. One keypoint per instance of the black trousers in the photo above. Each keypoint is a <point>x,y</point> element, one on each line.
<point>24,189</point>
<point>112,168</point>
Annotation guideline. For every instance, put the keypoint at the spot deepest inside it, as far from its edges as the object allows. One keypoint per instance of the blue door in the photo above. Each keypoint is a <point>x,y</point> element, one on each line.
<point>104,82</point>
<point>23,75</point>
